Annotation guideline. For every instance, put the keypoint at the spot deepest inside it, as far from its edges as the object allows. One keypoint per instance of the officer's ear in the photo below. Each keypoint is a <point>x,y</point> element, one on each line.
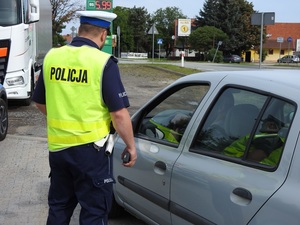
<point>103,35</point>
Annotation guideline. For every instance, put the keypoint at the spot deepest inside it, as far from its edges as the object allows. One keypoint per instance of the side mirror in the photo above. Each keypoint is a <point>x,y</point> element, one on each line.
<point>34,11</point>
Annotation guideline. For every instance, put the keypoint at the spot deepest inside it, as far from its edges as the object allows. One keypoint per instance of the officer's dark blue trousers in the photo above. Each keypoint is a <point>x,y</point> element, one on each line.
<point>81,175</point>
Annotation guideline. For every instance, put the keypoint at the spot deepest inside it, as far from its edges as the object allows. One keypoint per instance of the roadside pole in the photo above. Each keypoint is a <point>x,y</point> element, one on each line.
<point>261,39</point>
<point>262,19</point>
<point>119,37</point>
<point>182,58</point>
<point>153,43</point>
<point>153,31</point>
<point>184,30</point>
<point>219,44</point>
<point>280,40</point>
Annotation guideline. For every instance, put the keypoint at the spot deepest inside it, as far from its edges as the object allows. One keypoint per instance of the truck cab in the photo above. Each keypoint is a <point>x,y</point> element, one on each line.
<point>20,45</point>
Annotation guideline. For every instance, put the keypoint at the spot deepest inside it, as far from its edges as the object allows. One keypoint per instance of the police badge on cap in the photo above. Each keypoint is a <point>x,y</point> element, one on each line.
<point>97,18</point>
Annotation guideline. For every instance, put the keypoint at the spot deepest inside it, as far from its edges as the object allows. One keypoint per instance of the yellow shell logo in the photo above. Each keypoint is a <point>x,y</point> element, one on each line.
<point>184,28</point>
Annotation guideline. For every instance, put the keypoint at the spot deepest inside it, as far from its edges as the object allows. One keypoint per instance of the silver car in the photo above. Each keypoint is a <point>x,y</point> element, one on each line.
<point>216,148</point>
<point>289,59</point>
<point>3,113</point>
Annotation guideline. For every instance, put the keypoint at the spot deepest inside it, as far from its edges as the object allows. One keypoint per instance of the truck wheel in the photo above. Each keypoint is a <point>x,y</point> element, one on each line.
<point>3,119</point>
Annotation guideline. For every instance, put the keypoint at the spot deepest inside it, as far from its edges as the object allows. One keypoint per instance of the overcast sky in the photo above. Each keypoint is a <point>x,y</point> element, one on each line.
<point>285,10</point>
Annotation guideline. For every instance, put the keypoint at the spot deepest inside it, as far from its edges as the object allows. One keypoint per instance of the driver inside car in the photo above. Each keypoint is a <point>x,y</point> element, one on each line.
<point>266,147</point>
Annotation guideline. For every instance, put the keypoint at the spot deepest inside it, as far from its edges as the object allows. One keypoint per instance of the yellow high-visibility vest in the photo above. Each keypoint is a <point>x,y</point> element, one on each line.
<point>76,112</point>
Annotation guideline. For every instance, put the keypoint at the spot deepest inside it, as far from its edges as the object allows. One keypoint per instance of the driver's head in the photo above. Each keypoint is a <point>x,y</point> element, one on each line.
<point>271,125</point>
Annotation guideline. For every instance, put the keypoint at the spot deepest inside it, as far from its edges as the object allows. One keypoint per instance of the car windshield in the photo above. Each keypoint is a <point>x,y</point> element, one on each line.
<point>9,12</point>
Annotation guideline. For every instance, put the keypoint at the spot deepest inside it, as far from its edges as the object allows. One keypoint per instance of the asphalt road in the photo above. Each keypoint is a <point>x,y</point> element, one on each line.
<point>208,66</point>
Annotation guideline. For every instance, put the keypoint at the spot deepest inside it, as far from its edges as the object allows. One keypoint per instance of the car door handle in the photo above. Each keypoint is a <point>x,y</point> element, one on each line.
<point>161,165</point>
<point>160,168</point>
<point>243,193</point>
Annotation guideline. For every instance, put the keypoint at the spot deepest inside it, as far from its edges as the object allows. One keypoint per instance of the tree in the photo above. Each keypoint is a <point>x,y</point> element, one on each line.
<point>133,23</point>
<point>138,21</point>
<point>233,18</point>
<point>126,40</point>
<point>63,11</point>
<point>207,15</point>
<point>165,23</point>
<point>205,38</point>
<point>214,55</point>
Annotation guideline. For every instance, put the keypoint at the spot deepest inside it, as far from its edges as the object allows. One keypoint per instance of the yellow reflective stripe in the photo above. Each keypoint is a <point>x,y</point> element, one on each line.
<point>75,125</point>
<point>83,138</point>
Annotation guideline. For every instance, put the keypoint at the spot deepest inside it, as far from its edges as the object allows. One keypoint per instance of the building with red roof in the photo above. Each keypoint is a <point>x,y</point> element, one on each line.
<point>282,39</point>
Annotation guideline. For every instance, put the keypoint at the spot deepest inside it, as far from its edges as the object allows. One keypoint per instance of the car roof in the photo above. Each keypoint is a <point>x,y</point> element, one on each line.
<point>284,82</point>
<point>279,75</point>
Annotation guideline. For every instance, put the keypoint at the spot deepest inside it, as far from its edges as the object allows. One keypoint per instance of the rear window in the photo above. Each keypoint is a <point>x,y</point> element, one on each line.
<point>246,127</point>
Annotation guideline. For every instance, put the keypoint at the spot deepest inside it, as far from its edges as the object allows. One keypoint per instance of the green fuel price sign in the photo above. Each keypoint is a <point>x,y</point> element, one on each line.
<point>102,5</point>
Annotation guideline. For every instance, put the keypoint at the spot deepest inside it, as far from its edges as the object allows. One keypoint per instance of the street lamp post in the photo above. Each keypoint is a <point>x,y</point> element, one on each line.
<point>119,37</point>
<point>219,44</point>
<point>73,34</point>
<point>262,19</point>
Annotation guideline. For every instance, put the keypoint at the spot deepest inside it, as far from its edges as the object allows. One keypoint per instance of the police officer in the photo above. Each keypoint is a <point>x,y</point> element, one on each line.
<point>81,94</point>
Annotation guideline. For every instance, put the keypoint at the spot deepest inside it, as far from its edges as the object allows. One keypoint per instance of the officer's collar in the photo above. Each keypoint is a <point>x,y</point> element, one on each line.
<point>80,41</point>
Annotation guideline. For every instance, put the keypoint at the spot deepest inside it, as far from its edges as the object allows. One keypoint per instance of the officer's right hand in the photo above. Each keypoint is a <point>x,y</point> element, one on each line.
<point>132,157</point>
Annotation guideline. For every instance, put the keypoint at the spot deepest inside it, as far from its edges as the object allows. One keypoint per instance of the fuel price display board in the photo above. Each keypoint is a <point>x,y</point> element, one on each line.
<point>102,5</point>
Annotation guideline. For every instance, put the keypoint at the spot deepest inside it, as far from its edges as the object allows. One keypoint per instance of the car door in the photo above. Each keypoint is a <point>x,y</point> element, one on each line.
<point>213,184</point>
<point>284,59</point>
<point>159,130</point>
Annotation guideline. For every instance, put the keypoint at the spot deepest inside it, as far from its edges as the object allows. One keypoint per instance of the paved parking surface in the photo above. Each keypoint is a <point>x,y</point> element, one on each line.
<point>24,163</point>
<point>24,183</point>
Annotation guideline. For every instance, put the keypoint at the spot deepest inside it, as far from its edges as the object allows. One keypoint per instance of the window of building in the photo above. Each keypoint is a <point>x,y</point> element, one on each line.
<point>270,51</point>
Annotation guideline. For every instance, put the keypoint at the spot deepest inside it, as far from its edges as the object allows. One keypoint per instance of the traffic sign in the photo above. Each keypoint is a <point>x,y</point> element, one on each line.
<point>268,18</point>
<point>280,39</point>
<point>184,27</point>
<point>289,39</point>
<point>153,30</point>
<point>159,41</point>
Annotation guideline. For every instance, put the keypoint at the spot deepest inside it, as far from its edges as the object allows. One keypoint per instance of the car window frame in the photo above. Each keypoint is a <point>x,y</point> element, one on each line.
<point>242,161</point>
<point>137,119</point>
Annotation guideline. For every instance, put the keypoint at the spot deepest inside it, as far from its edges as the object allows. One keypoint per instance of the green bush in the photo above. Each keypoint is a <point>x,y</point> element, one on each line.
<point>212,54</point>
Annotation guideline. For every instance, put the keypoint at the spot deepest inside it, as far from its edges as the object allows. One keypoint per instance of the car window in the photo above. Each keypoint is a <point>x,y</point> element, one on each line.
<point>267,143</point>
<point>167,120</point>
<point>250,127</point>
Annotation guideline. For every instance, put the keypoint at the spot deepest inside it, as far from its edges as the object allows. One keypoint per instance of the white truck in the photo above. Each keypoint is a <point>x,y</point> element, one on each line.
<point>25,38</point>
